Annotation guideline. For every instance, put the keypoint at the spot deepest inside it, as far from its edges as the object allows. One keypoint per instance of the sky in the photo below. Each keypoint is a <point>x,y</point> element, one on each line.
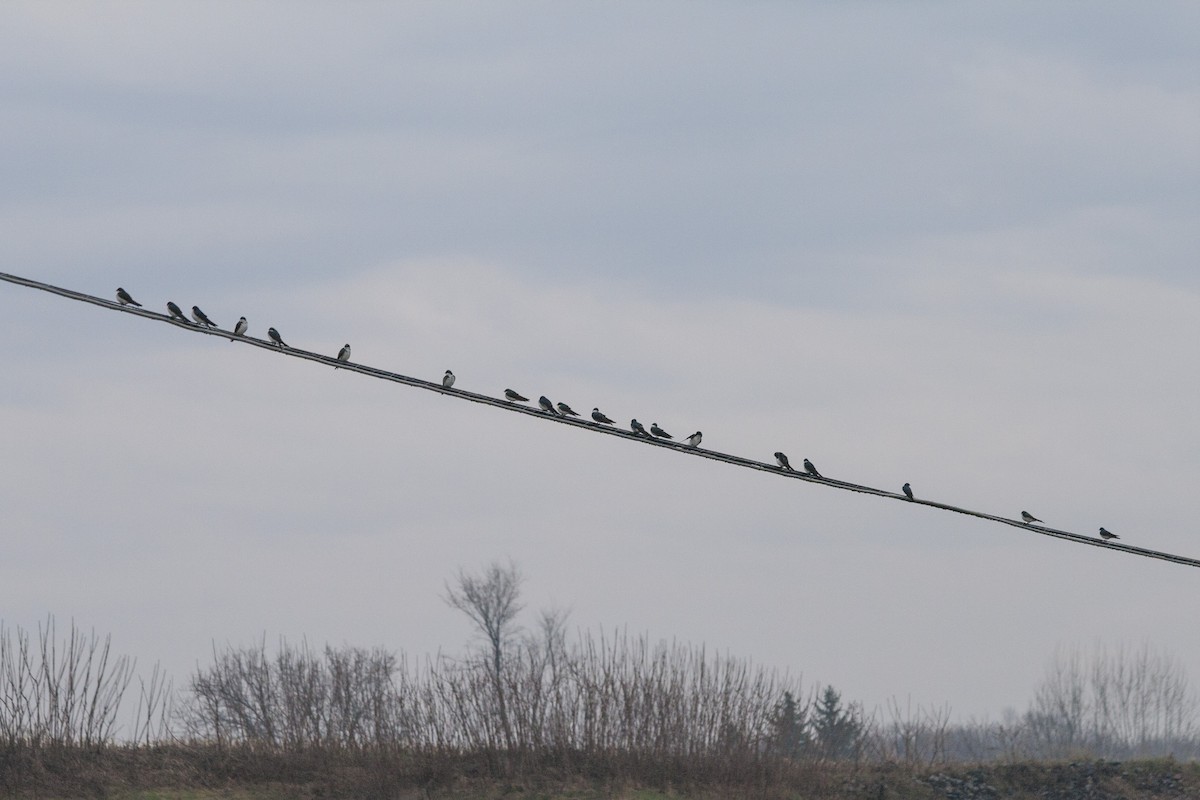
<point>948,244</point>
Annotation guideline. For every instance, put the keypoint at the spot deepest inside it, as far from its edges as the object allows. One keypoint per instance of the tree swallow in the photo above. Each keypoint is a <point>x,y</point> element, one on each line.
<point>637,427</point>
<point>202,318</point>
<point>907,491</point>
<point>598,415</point>
<point>659,432</point>
<point>547,406</point>
<point>448,379</point>
<point>694,439</point>
<point>176,313</point>
<point>124,299</point>
<point>515,397</point>
<point>783,462</point>
<point>566,410</point>
<point>811,470</point>
<point>1025,515</point>
<point>1106,535</point>
<point>344,354</point>
<point>240,328</point>
<point>274,336</point>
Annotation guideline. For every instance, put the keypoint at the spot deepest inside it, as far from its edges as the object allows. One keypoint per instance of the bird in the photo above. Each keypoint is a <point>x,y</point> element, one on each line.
<point>514,397</point>
<point>124,299</point>
<point>907,491</point>
<point>240,328</point>
<point>598,415</point>
<point>811,470</point>
<point>202,318</point>
<point>1106,535</point>
<point>344,354</point>
<point>694,439</point>
<point>659,432</point>
<point>637,427</point>
<point>448,379</point>
<point>783,462</point>
<point>176,313</point>
<point>566,410</point>
<point>547,406</point>
<point>274,336</point>
<point>1025,515</point>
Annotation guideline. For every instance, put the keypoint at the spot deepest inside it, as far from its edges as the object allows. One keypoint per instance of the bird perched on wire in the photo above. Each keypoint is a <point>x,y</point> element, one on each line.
<point>1106,535</point>
<point>274,336</point>
<point>782,460</point>
<point>448,379</point>
<point>124,298</point>
<point>202,318</point>
<point>547,406</point>
<point>659,432</point>
<point>240,328</point>
<point>514,397</point>
<point>907,491</point>
<point>638,428</point>
<point>343,354</point>
<point>566,410</point>
<point>176,313</point>
<point>598,415</point>
<point>1025,515</point>
<point>694,439</point>
<point>811,470</point>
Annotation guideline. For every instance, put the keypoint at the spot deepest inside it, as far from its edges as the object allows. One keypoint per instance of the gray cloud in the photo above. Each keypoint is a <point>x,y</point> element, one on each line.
<point>942,246</point>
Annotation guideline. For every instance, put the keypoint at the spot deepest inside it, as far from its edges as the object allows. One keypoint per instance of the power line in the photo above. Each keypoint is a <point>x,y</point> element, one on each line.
<point>594,427</point>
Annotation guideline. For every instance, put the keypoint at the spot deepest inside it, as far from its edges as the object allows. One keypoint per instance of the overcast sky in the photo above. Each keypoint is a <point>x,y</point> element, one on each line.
<point>950,244</point>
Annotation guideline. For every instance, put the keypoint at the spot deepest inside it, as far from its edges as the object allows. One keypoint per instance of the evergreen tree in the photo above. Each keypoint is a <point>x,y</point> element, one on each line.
<point>789,728</point>
<point>838,728</point>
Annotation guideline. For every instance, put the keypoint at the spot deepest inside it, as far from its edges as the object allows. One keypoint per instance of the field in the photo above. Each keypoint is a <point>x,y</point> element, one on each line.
<point>193,772</point>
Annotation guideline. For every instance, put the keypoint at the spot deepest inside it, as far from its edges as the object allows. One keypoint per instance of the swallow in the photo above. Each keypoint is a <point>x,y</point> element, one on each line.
<point>907,491</point>
<point>547,406</point>
<point>202,318</point>
<point>659,432</point>
<point>240,328</point>
<point>124,299</point>
<point>514,397</point>
<point>638,428</point>
<point>782,460</point>
<point>1106,535</point>
<point>176,313</point>
<point>1025,515</point>
<point>694,439</point>
<point>598,415</point>
<point>448,379</point>
<point>566,410</point>
<point>274,336</point>
<point>811,470</point>
<point>344,354</point>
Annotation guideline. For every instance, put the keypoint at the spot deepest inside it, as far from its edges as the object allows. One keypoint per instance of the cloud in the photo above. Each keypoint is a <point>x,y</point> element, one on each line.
<point>926,246</point>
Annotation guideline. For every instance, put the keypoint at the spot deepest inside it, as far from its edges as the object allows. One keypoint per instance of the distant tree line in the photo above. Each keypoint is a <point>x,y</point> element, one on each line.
<point>605,703</point>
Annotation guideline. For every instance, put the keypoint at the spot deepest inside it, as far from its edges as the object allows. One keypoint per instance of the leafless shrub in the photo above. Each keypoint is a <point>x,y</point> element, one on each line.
<point>1117,703</point>
<point>59,692</point>
<point>295,699</point>
<point>918,737</point>
<point>152,719</point>
<point>610,704</point>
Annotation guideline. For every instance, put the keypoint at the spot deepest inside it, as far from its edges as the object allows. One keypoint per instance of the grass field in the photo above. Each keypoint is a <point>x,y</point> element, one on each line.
<point>190,772</point>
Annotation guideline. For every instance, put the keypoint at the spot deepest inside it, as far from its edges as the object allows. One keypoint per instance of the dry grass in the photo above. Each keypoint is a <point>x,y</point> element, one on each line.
<point>244,773</point>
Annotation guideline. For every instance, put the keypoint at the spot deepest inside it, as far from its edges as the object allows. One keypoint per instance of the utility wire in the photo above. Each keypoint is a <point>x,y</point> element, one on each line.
<point>594,427</point>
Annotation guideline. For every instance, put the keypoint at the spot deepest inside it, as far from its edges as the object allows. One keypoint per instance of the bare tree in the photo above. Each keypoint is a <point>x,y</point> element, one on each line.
<point>552,625</point>
<point>1117,703</point>
<point>491,601</point>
